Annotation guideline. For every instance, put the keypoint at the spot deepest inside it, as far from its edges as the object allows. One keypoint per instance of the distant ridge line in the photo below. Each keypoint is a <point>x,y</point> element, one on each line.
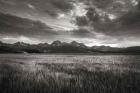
<point>63,47</point>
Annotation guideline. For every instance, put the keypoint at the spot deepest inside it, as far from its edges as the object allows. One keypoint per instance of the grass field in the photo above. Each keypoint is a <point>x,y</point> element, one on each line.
<point>26,73</point>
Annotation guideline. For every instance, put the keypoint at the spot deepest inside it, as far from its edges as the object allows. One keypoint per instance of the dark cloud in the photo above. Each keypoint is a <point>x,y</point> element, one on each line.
<point>82,33</point>
<point>64,5</point>
<point>51,7</point>
<point>129,24</point>
<point>102,3</point>
<point>12,25</point>
<point>131,18</point>
<point>94,20</point>
<point>81,21</point>
<point>93,15</point>
<point>126,23</point>
<point>108,18</point>
<point>51,13</point>
<point>138,6</point>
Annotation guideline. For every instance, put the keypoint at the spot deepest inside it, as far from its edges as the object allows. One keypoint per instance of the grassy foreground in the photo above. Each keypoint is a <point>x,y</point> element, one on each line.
<point>62,78</point>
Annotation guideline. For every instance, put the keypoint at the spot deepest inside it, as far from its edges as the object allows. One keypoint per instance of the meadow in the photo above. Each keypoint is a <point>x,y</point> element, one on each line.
<point>38,73</point>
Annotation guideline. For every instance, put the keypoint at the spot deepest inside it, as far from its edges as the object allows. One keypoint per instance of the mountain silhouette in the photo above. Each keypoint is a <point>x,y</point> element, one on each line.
<point>63,47</point>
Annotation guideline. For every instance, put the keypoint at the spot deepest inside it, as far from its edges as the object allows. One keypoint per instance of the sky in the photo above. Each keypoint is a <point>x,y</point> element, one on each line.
<point>113,23</point>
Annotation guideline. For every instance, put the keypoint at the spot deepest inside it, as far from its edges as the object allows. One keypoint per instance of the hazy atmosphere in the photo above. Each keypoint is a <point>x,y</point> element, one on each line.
<point>92,22</point>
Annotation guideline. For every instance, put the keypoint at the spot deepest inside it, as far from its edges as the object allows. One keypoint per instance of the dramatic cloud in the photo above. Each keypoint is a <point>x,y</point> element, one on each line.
<point>82,33</point>
<point>112,17</point>
<point>93,22</point>
<point>12,25</point>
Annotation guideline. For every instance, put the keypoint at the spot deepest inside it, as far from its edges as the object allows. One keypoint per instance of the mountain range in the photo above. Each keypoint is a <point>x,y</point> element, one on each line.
<point>63,47</point>
<point>15,26</point>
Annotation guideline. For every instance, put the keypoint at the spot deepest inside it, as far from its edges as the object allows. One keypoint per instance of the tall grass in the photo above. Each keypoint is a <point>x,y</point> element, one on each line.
<point>74,77</point>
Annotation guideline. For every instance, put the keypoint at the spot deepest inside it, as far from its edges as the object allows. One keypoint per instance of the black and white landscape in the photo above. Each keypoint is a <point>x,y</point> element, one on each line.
<point>69,46</point>
<point>63,47</point>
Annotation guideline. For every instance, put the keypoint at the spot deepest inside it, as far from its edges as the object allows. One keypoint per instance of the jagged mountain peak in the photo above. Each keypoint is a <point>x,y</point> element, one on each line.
<point>56,43</point>
<point>74,43</point>
<point>43,44</point>
<point>21,44</point>
<point>63,47</point>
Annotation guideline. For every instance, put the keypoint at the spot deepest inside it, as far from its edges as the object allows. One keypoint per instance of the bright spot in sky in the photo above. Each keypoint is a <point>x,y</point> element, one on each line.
<point>20,39</point>
<point>61,16</point>
<point>79,9</point>
<point>31,6</point>
<point>92,42</point>
<point>134,2</point>
<point>111,16</point>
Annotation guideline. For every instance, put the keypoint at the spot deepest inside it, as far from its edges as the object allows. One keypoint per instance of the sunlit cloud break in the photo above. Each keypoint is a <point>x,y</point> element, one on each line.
<point>101,22</point>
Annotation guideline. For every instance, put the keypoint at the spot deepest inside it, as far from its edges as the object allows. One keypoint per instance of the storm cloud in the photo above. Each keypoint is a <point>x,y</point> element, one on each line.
<point>101,22</point>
